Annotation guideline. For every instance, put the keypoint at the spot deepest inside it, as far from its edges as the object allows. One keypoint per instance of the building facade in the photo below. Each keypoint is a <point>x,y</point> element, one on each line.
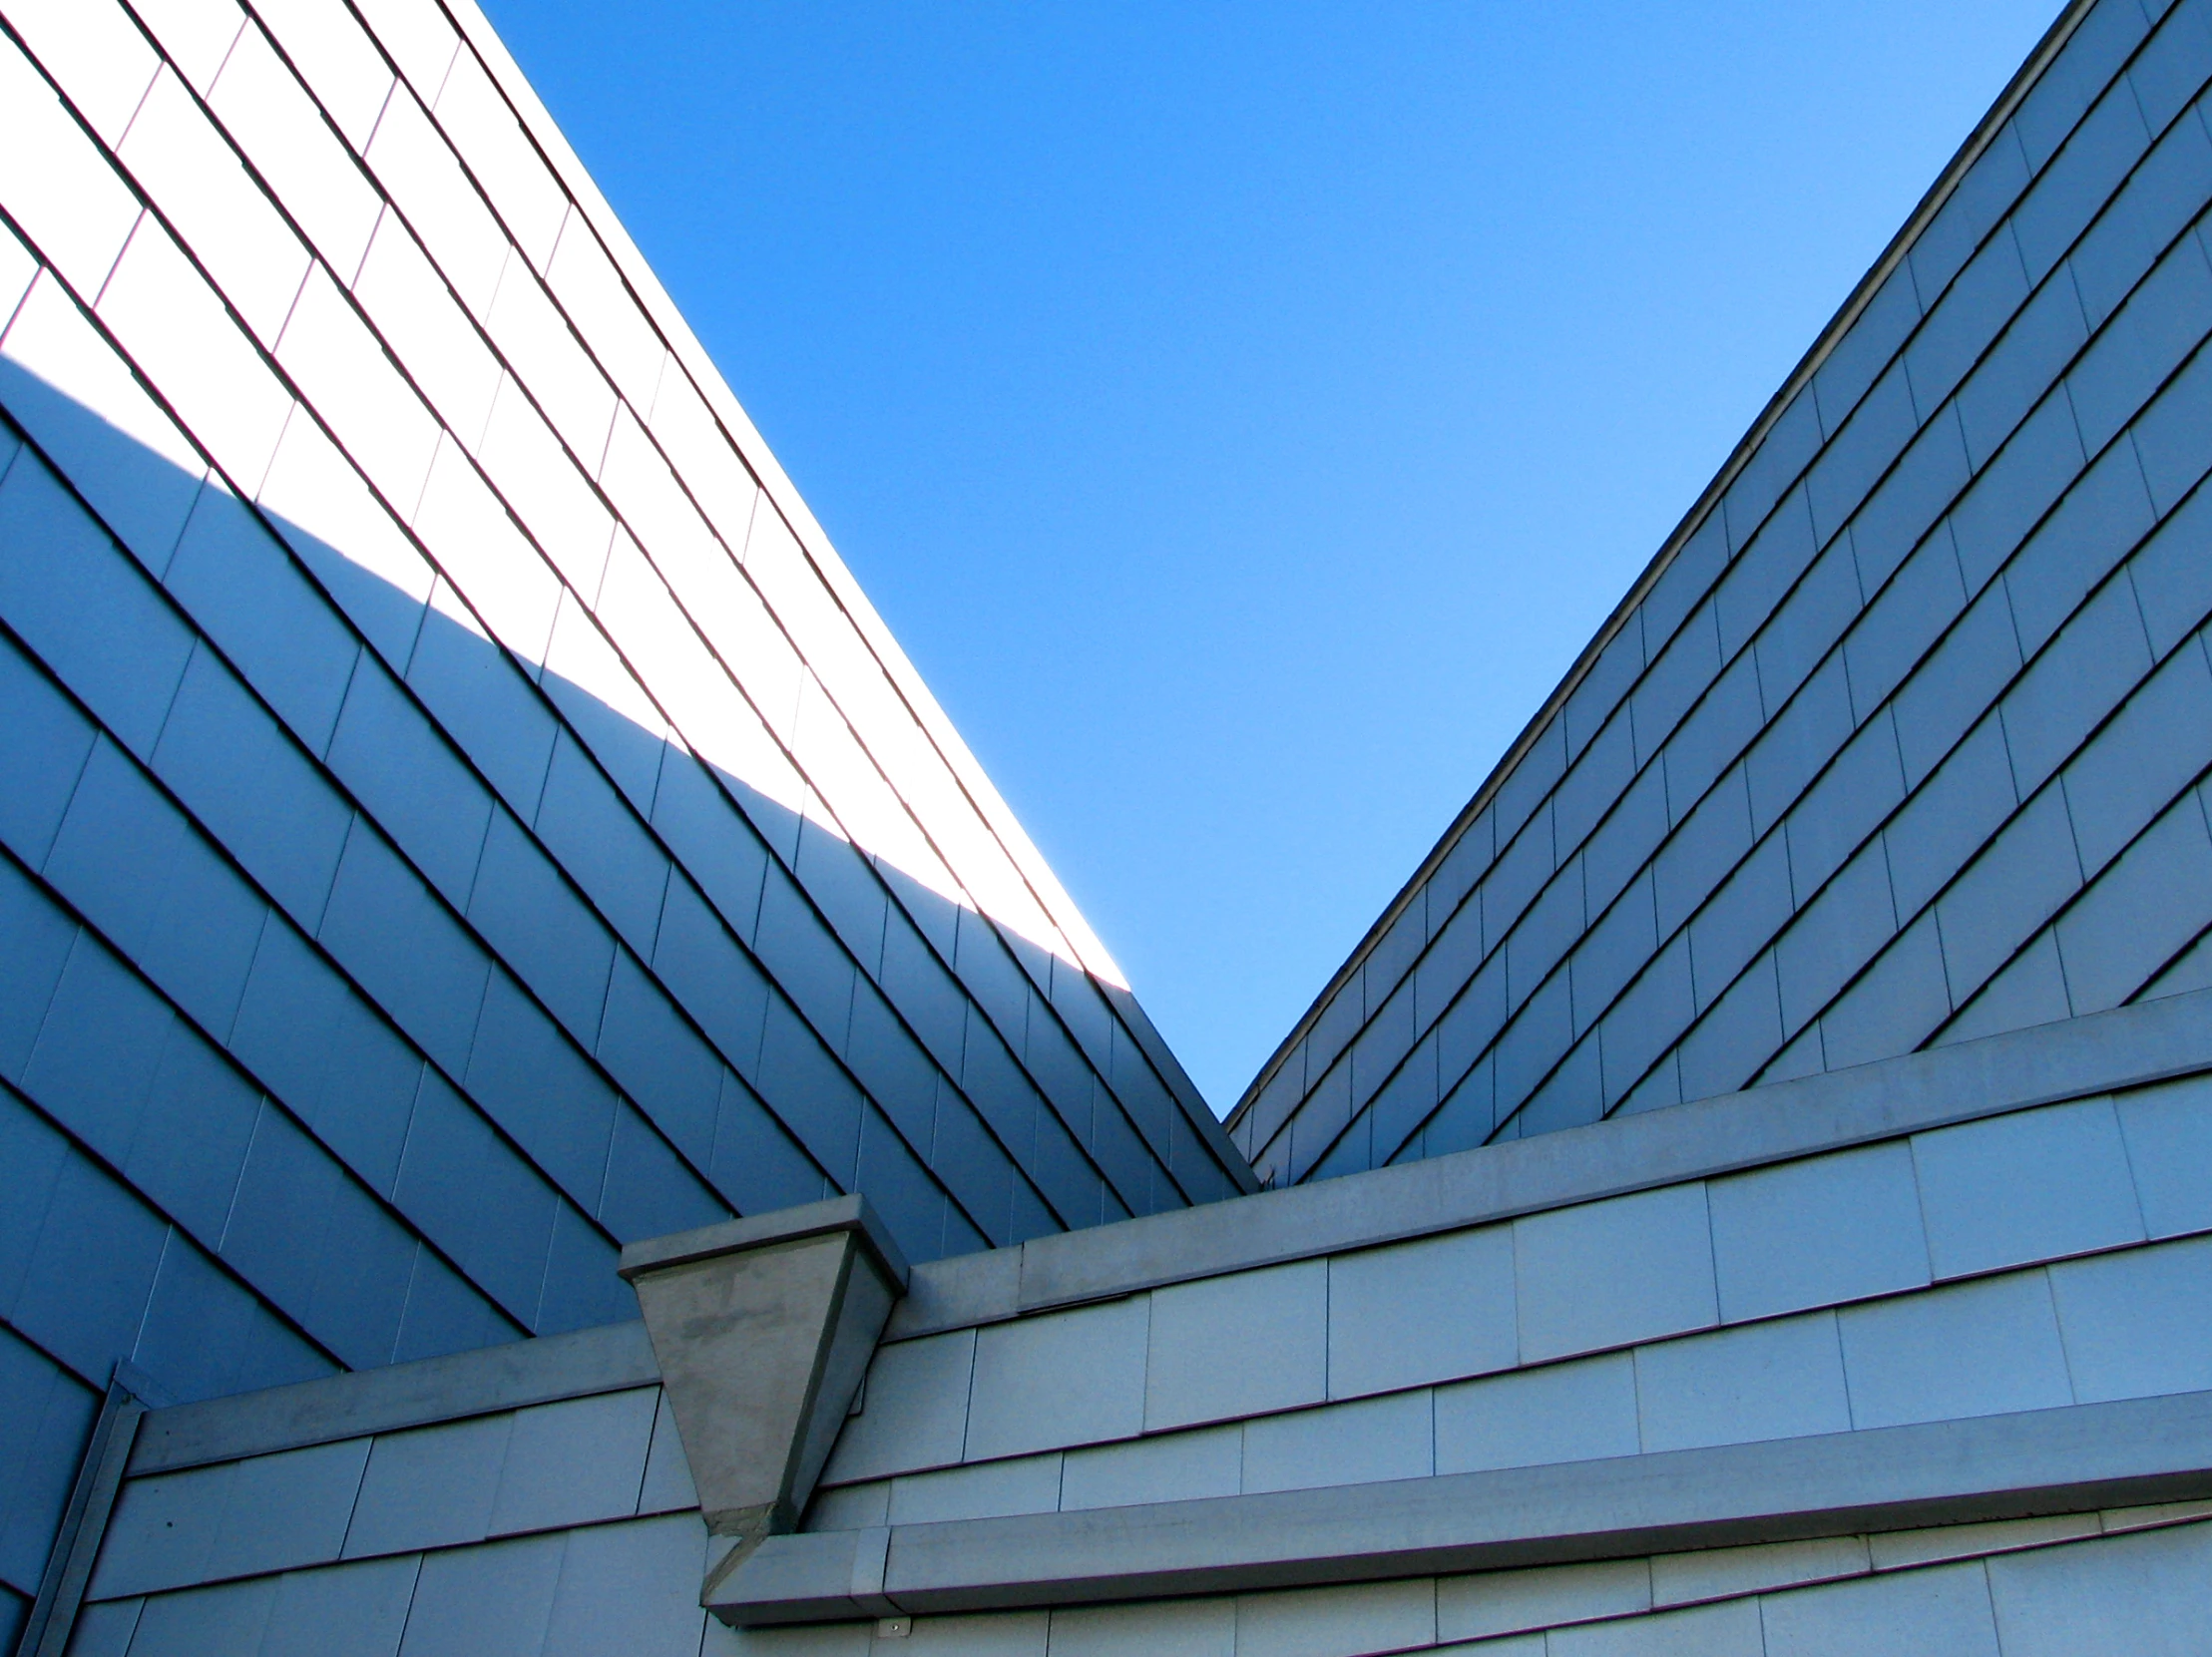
<point>457,814</point>
<point>474,868</point>
<point>1896,742</point>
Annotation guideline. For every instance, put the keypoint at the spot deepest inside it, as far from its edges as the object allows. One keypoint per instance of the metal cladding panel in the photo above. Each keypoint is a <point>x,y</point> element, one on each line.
<point>457,813</point>
<point>1900,736</point>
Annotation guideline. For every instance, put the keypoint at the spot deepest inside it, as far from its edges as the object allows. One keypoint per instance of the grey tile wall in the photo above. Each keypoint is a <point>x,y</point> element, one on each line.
<point>2056,1255</point>
<point>1902,745</point>
<point>2001,1590</point>
<point>382,938</point>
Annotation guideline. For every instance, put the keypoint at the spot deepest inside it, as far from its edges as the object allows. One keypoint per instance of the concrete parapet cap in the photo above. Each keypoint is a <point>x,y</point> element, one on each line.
<point>784,1226</point>
<point>510,1376</point>
<point>2128,1047</point>
<point>2076,1458</point>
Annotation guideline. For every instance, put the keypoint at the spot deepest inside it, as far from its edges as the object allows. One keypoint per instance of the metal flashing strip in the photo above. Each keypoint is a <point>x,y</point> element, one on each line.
<point>2064,1461</point>
<point>61,1591</point>
<point>610,1359</point>
<point>2128,1047</point>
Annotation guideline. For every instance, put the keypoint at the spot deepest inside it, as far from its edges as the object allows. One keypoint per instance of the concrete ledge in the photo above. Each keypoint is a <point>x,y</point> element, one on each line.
<point>2126,1048</point>
<point>609,1359</point>
<point>784,1225</point>
<point>2071,1460</point>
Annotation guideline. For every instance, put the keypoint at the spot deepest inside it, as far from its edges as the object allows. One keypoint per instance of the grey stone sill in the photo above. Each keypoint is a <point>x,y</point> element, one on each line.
<point>2126,1048</point>
<point>2074,1459</point>
<point>610,1359</point>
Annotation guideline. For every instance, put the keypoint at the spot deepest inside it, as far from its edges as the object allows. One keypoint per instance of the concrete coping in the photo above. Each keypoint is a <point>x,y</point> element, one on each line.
<point>786,1225</point>
<point>2126,1048</point>
<point>610,1359</point>
<point>2075,1458</point>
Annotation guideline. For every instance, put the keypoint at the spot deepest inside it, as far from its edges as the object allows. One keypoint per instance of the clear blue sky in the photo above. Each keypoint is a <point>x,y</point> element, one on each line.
<point>1244,413</point>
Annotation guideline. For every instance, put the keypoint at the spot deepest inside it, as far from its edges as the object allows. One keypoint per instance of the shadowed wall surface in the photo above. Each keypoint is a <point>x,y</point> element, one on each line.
<point>459,816</point>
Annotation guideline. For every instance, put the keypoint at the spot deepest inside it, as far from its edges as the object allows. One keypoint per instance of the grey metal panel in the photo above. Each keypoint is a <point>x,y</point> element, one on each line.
<point>850,1507</point>
<point>2015,885</point>
<point>2034,1185</point>
<point>1576,1412</point>
<point>1728,1629</point>
<point>1504,1602</point>
<point>1236,1346</point>
<point>204,1622</point>
<point>2030,990</point>
<point>1359,1442</point>
<point>2138,1323</point>
<point>1741,920</point>
<point>1817,1232</point>
<point>1706,846</point>
<point>607,1358</point>
<point>2169,436</point>
<point>2172,64</point>
<point>1718,730</point>
<point>1369,1616</point>
<point>1775,1380</point>
<point>1834,934</point>
<point>2153,206</point>
<point>2128,1046</point>
<point>2093,665</point>
<point>1877,432</point>
<point>2062,1601</point>
<point>1763,571</point>
<point>667,1483</point>
<point>286,1509</point>
<point>1064,1378</point>
<point>1986,1348</point>
<point>265,1513</point>
<point>1608,1273</point>
<point>1950,816</point>
<point>1865,349</point>
<point>1425,1311</point>
<point>1737,1036</point>
<point>85,610</point>
<point>2080,179</point>
<point>430,1487</point>
<point>1959,1471</point>
<point>2168,1129</point>
<point>1016,1635</point>
<point>632,1588</point>
<point>575,1462</point>
<point>1715,1573</point>
<point>1946,1610</point>
<point>488,1601</point>
<point>1169,1466</point>
<point>1183,1628</point>
<point>1802,633</point>
<point>357,1610</point>
<point>2142,911</point>
<point>1981,299</point>
<point>2142,759</point>
<point>914,1409</point>
<point>2102,43</point>
<point>2101,519</point>
<point>1675,680</point>
<point>2147,339</point>
<point>2020,368</point>
<point>1026,1484</point>
<point>105,1629</point>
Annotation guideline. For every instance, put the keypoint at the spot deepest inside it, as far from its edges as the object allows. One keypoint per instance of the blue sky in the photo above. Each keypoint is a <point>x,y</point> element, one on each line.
<point>1244,413</point>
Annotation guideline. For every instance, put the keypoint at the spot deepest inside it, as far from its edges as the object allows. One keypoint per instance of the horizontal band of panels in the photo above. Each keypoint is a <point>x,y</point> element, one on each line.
<point>2070,1460</point>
